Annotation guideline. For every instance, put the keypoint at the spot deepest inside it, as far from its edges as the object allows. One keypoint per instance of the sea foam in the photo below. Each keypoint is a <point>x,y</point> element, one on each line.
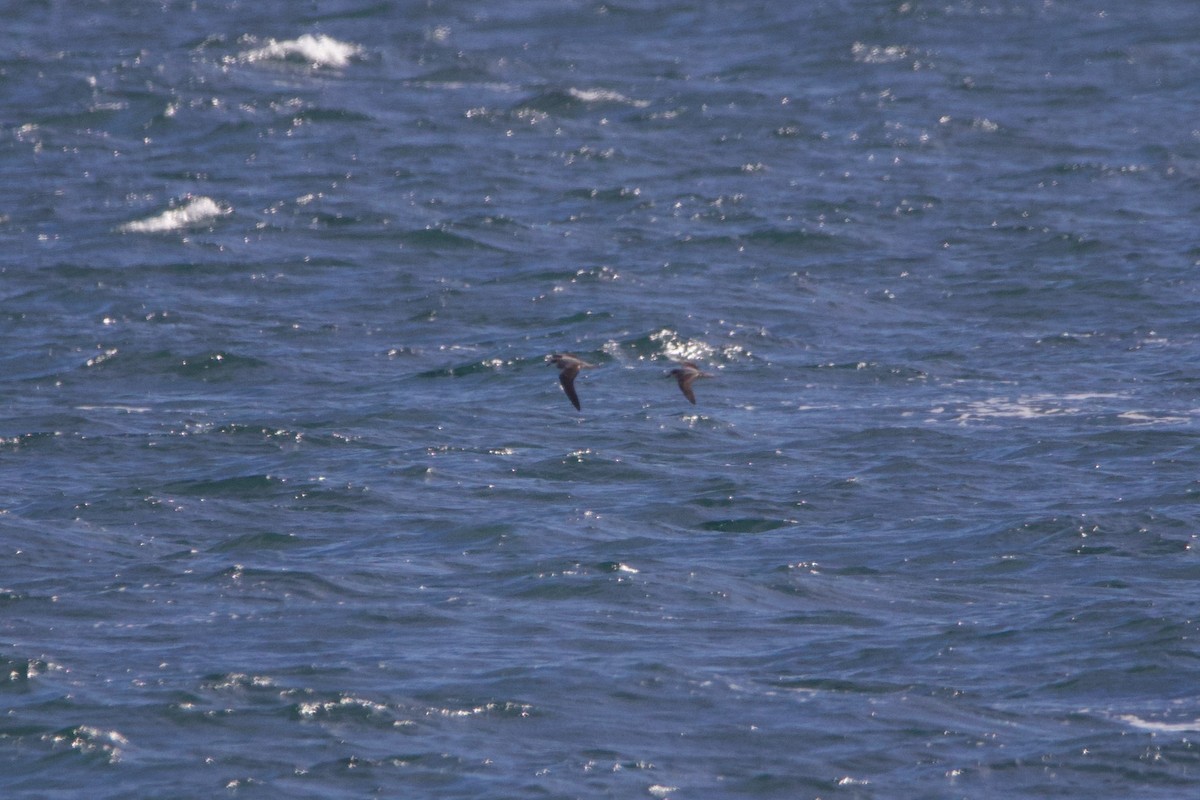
<point>1160,727</point>
<point>318,51</point>
<point>195,211</point>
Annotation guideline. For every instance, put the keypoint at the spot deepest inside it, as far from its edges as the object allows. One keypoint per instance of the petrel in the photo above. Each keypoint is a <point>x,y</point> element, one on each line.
<point>569,366</point>
<point>686,374</point>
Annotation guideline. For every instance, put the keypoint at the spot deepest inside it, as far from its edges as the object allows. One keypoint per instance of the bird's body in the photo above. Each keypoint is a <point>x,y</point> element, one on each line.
<point>568,367</point>
<point>686,374</point>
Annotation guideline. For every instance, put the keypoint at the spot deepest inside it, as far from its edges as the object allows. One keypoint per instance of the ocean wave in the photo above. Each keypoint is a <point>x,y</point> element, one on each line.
<point>680,348</point>
<point>605,96</point>
<point>570,100</point>
<point>1033,406</point>
<point>1160,727</point>
<point>194,212</point>
<point>90,739</point>
<point>879,54</point>
<point>317,51</point>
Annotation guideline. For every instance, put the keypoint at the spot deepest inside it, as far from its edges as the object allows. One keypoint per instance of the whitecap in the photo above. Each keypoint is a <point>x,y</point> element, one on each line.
<point>120,408</point>
<point>605,96</point>
<point>1003,408</point>
<point>318,51</point>
<point>1150,418</point>
<point>1160,727</point>
<point>91,739</point>
<point>311,709</point>
<point>1034,406</point>
<point>195,211</point>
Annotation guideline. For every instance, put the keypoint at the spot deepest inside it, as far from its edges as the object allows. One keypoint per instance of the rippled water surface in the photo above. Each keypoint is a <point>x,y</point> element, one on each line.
<point>294,506</point>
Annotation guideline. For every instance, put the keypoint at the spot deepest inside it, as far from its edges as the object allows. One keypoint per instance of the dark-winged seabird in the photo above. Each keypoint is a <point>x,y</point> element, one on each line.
<point>569,366</point>
<point>686,374</point>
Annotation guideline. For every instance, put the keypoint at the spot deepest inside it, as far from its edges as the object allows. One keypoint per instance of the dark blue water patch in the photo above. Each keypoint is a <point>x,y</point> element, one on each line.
<point>277,585</point>
<point>245,486</point>
<point>584,466</point>
<point>256,542</point>
<point>572,582</point>
<point>1108,544</point>
<point>27,440</point>
<point>444,238</point>
<point>749,525</point>
<point>570,102</point>
<point>624,195</point>
<point>460,371</point>
<point>210,366</point>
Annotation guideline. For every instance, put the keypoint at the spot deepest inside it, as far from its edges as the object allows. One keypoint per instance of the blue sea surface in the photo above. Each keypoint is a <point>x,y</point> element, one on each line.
<point>294,505</point>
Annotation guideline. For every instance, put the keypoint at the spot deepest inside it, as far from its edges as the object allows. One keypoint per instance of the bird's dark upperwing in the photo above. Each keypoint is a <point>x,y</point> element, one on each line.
<point>685,385</point>
<point>567,379</point>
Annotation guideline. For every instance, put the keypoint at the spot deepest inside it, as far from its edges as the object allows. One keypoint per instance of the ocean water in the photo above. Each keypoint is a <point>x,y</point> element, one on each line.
<point>294,506</point>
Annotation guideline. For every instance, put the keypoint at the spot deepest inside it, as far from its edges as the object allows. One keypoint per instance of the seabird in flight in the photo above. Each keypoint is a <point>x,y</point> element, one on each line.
<point>686,374</point>
<point>569,366</point>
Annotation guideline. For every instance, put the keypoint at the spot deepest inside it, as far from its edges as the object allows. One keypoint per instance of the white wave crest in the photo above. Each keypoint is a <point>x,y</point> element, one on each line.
<point>318,51</point>
<point>605,96</point>
<point>1160,727</point>
<point>1035,406</point>
<point>196,211</point>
